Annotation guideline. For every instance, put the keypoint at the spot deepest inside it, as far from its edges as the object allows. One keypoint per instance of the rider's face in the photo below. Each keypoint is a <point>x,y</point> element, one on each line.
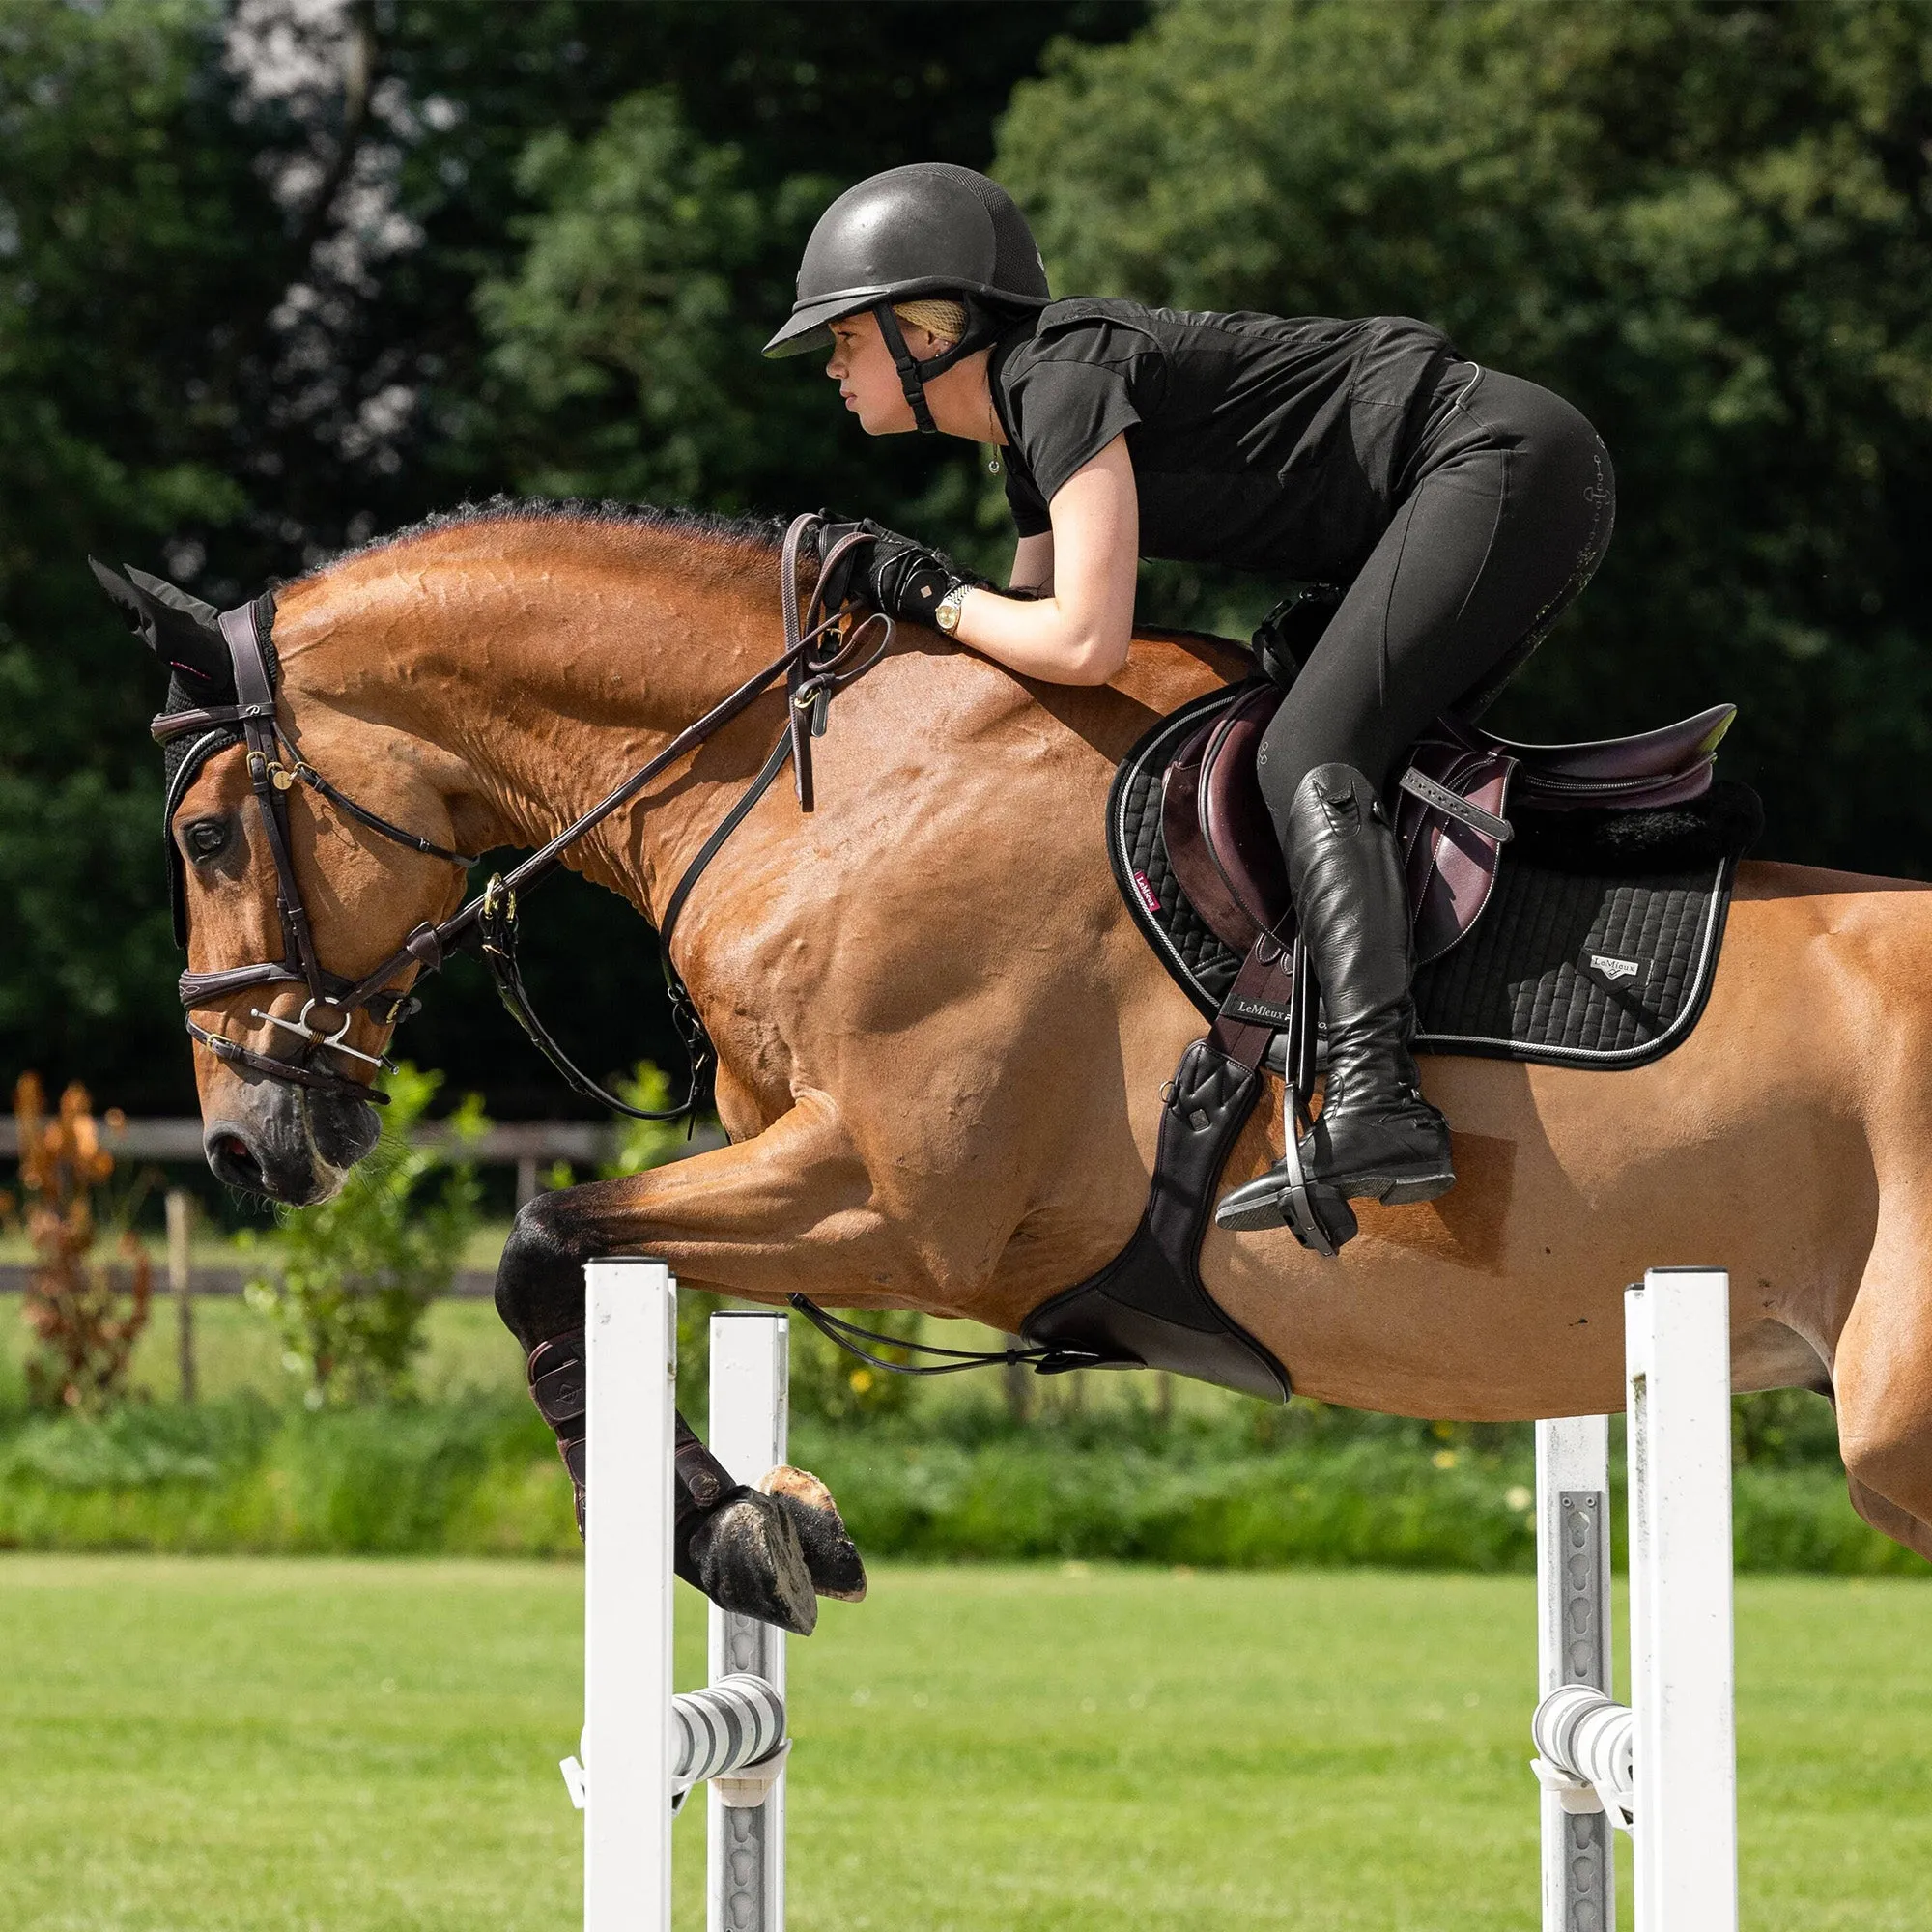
<point>867,379</point>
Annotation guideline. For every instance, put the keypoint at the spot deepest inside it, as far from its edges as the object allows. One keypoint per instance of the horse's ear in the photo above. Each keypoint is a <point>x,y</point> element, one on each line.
<point>176,599</point>
<point>181,629</point>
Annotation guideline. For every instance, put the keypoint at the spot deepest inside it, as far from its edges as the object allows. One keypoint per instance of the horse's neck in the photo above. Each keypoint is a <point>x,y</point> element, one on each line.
<point>544,666</point>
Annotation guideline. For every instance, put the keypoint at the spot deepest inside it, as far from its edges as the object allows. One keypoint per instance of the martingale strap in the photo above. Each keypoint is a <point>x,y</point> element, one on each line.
<point>1049,1360</point>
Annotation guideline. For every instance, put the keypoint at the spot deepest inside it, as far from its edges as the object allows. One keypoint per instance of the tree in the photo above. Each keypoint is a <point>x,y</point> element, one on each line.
<point>1708,225</point>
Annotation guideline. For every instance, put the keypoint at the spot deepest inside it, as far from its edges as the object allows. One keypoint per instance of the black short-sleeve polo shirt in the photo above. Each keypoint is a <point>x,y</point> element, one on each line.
<point>1260,442</point>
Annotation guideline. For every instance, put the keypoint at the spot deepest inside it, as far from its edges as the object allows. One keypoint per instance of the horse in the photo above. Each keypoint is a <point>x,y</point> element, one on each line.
<point>941,1041</point>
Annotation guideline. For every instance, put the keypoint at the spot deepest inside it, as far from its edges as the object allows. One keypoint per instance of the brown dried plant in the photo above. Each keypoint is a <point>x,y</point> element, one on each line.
<point>86,1308</point>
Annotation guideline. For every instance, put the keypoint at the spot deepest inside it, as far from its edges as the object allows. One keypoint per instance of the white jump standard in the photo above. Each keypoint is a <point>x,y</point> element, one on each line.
<point>644,1746</point>
<point>1665,1769</point>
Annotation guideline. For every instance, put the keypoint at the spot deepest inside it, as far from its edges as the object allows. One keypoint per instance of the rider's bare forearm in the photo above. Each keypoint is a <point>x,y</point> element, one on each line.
<point>1044,639</point>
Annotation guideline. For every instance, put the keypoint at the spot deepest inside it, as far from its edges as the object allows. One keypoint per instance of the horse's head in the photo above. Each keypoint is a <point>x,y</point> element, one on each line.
<point>307,843</point>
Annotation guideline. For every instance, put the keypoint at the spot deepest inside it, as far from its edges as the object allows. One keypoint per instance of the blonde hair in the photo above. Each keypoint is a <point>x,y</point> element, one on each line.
<point>935,317</point>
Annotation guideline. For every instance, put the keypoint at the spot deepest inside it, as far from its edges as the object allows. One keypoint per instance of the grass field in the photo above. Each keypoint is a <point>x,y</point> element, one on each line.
<point>231,1745</point>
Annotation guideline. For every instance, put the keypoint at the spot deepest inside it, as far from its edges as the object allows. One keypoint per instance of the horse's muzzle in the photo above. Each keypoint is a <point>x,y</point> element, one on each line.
<point>287,1145</point>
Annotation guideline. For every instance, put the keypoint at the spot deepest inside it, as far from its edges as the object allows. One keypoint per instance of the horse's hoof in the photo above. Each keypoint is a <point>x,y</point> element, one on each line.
<point>746,1556</point>
<point>830,1553</point>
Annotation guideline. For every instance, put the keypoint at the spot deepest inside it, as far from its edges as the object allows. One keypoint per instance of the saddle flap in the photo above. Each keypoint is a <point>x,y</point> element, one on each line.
<point>1194,869</point>
<point>1235,822</point>
<point>1451,866</point>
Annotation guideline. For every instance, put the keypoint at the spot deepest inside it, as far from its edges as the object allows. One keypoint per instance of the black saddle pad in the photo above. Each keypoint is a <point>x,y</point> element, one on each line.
<point>1597,949</point>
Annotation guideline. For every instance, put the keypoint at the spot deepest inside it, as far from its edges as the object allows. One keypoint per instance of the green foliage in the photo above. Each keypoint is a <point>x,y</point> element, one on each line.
<point>649,283</point>
<point>831,1384</point>
<point>242,1475</point>
<point>349,1283</point>
<point>480,1477</point>
<point>1710,226</point>
<point>645,1143</point>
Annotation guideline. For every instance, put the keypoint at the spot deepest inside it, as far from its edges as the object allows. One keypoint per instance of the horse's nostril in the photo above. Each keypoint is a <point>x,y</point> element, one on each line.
<point>230,1159</point>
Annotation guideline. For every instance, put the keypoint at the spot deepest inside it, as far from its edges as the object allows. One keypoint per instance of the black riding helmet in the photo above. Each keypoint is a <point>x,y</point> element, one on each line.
<point>928,229</point>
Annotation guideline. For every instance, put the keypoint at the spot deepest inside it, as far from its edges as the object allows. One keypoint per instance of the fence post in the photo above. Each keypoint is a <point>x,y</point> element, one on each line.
<point>750,1403</point>
<point>180,1285</point>
<point>1678,1345</point>
<point>1573,1646</point>
<point>627,1597</point>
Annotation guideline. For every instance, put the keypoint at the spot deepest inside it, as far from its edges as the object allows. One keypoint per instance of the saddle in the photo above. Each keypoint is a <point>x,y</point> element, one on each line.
<point>1609,914</point>
<point>1450,816</point>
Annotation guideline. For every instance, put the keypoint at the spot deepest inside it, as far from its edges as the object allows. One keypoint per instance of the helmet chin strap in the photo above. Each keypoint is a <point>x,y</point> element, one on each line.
<point>914,375</point>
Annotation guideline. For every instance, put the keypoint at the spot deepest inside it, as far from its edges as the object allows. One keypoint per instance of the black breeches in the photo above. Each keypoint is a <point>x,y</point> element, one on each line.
<point>1508,506</point>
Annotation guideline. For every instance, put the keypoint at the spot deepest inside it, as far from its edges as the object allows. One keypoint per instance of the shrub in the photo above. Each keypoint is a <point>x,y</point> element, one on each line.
<point>350,1280</point>
<point>86,1312</point>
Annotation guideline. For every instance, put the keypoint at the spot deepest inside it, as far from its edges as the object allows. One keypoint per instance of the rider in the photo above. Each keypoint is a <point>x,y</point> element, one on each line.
<point>1463,509</point>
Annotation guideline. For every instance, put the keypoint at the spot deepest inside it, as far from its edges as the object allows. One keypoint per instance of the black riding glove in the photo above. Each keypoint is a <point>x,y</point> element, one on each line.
<point>897,575</point>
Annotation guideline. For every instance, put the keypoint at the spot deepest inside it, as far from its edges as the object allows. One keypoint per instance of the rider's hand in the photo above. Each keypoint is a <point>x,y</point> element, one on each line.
<point>896,574</point>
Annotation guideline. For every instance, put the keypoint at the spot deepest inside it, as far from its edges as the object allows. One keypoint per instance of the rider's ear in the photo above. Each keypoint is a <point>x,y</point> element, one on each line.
<point>181,629</point>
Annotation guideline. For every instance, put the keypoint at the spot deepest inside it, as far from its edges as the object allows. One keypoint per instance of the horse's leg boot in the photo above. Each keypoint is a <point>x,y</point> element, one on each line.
<point>557,1373</point>
<point>1375,1138</point>
<point>830,1553</point>
<point>740,1547</point>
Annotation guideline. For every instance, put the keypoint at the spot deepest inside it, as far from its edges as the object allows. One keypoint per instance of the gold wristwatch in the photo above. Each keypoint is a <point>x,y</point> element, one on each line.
<point>947,615</point>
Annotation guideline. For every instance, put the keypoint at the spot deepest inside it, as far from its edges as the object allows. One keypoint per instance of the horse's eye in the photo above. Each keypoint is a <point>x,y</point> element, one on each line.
<point>205,838</point>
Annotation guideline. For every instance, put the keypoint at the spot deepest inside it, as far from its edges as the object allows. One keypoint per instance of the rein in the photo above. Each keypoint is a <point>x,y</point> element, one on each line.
<point>488,923</point>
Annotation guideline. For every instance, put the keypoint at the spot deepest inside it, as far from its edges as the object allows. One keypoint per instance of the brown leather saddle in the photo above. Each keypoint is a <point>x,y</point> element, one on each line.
<point>1150,1306</point>
<point>1450,812</point>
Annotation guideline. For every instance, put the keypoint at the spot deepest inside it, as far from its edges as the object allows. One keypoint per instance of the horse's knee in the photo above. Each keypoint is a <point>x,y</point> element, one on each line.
<point>540,1277</point>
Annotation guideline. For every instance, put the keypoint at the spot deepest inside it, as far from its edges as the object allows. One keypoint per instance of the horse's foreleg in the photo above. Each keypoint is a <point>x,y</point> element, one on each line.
<point>766,1552</point>
<point>790,1209</point>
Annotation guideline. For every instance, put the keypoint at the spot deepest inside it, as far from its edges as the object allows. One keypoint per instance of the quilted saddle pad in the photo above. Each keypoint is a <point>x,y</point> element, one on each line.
<point>1597,949</point>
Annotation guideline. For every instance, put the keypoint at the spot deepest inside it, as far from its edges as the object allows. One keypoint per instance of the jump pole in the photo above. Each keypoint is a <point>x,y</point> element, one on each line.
<point>644,1746</point>
<point>1665,1769</point>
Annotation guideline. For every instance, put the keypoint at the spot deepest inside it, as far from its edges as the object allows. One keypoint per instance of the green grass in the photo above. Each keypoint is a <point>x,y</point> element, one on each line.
<point>227,1745</point>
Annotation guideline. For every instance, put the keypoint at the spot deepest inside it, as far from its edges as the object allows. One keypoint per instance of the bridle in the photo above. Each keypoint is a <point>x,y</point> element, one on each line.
<point>812,674</point>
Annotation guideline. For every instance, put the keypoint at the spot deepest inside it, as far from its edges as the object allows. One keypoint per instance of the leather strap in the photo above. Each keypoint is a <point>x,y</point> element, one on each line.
<point>1050,1359</point>
<point>1451,805</point>
<point>233,1051</point>
<point>812,677</point>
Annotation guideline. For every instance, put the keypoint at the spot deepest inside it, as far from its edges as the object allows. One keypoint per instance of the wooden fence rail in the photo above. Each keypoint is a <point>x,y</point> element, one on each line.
<point>530,1147</point>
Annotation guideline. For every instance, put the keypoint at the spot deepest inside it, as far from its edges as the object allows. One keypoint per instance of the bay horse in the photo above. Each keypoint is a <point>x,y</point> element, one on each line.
<point>941,1040</point>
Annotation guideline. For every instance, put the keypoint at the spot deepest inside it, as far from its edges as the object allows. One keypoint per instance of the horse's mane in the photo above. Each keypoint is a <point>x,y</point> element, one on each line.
<point>764,533</point>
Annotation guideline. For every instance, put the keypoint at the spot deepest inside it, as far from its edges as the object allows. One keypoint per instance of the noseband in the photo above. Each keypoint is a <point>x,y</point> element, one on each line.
<point>488,923</point>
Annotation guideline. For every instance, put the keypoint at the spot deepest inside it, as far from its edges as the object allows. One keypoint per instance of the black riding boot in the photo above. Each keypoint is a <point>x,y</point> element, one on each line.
<point>1375,1137</point>
<point>739,1545</point>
